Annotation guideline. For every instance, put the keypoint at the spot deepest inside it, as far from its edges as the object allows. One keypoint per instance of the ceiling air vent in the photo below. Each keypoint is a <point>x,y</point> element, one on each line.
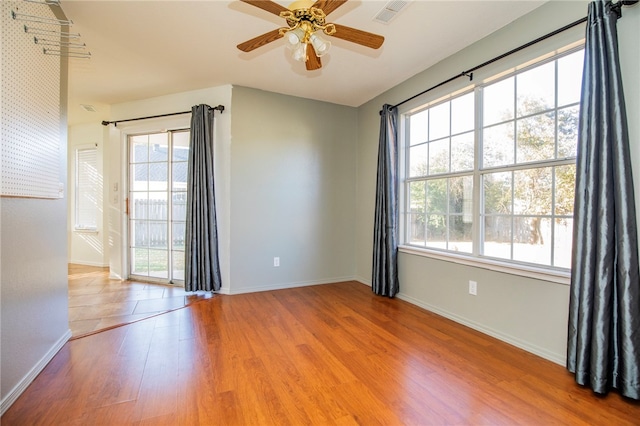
<point>88,108</point>
<point>390,10</point>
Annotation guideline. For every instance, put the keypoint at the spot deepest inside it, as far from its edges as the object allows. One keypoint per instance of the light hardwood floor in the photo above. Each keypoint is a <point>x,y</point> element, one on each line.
<point>327,354</point>
<point>98,303</point>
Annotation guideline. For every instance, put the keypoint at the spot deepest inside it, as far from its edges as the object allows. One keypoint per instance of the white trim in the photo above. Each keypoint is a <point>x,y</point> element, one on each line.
<point>22,385</point>
<point>229,291</point>
<point>114,276</point>
<point>555,276</point>
<point>527,346</point>
<point>363,280</point>
<point>84,262</point>
<point>86,231</point>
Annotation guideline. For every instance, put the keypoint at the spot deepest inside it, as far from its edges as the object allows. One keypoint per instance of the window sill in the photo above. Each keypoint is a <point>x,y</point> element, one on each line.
<point>86,230</point>
<point>555,276</point>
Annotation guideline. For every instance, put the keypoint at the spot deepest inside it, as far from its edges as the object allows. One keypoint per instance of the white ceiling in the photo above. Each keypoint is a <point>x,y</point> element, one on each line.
<point>143,49</point>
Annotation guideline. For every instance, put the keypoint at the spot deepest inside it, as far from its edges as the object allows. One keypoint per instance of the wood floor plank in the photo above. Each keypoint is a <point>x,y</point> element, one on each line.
<point>325,355</point>
<point>97,302</point>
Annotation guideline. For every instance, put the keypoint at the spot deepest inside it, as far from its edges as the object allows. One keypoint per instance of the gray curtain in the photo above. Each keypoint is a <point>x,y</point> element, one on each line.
<point>385,232</point>
<point>604,314</point>
<point>202,268</point>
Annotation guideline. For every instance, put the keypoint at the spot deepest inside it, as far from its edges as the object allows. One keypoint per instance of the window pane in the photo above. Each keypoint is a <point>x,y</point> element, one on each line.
<point>563,242</point>
<point>439,156</point>
<point>497,145</point>
<point>462,114</point>
<point>439,121</point>
<point>417,197</point>
<point>158,235</point>
<point>417,229</point>
<point>179,176</point>
<point>418,156</point>
<point>497,237</point>
<point>565,189</point>
<point>532,189</point>
<point>140,261</point>
<point>569,78</point>
<point>178,265</point>
<point>180,146</point>
<point>437,231</point>
<point>159,263</point>
<point>437,196</point>
<point>139,233</point>
<point>536,89</point>
<point>139,205</point>
<point>532,240</point>
<point>536,138</point>
<point>139,149</point>
<point>462,152</point>
<point>568,132</point>
<point>179,206</point>
<point>461,196</point>
<point>158,206</point>
<point>139,176</point>
<point>498,102</point>
<point>158,176</point>
<point>158,147</point>
<point>460,234</point>
<point>418,127</point>
<point>178,230</point>
<point>497,193</point>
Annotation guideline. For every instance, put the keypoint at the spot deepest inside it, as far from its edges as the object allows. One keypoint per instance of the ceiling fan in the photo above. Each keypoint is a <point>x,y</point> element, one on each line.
<point>305,19</point>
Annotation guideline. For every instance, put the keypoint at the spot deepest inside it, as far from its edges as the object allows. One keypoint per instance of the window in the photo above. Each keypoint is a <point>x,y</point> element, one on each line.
<point>490,172</point>
<point>86,190</point>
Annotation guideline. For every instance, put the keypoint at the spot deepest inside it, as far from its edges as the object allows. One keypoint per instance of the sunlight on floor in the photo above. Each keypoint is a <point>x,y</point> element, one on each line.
<point>98,303</point>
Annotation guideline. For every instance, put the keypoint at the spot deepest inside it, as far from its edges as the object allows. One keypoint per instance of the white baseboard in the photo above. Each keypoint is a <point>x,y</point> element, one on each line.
<point>527,346</point>
<point>19,388</point>
<point>363,280</point>
<point>231,291</point>
<point>85,263</point>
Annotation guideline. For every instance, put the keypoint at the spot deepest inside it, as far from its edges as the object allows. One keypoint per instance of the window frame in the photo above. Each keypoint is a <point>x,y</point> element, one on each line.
<point>476,258</point>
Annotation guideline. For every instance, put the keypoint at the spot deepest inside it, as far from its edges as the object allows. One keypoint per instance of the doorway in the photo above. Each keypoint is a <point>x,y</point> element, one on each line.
<point>156,205</point>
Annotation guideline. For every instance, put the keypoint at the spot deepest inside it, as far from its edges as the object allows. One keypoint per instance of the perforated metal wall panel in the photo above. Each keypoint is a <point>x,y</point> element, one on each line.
<point>30,108</point>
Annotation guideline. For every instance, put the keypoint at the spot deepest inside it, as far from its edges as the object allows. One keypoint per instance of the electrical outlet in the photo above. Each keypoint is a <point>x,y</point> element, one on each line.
<point>276,262</point>
<point>473,288</point>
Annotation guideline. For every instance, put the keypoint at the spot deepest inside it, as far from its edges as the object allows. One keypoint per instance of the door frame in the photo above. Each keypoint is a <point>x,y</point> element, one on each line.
<point>153,125</point>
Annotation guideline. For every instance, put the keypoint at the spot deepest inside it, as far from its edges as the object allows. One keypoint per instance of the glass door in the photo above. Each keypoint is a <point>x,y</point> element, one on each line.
<point>157,205</point>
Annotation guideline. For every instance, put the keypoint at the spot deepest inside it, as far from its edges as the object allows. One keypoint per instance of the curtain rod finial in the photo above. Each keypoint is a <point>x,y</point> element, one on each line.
<point>105,123</point>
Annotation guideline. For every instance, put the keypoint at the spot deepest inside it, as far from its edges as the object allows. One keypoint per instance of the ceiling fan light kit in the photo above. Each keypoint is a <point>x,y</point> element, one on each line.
<point>305,22</point>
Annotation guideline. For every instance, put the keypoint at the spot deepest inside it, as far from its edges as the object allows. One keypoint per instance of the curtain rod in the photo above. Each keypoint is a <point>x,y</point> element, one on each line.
<point>106,123</point>
<point>469,73</point>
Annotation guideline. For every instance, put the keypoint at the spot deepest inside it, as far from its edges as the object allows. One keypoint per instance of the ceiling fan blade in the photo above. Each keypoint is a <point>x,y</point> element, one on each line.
<point>313,61</point>
<point>267,5</point>
<point>328,6</point>
<point>353,35</point>
<point>260,41</point>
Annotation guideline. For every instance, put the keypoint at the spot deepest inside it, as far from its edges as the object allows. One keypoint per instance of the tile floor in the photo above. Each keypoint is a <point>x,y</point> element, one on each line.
<point>98,303</point>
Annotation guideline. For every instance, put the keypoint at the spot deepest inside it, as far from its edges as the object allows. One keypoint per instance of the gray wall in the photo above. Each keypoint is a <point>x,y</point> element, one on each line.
<point>529,313</point>
<point>292,191</point>
<point>33,265</point>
